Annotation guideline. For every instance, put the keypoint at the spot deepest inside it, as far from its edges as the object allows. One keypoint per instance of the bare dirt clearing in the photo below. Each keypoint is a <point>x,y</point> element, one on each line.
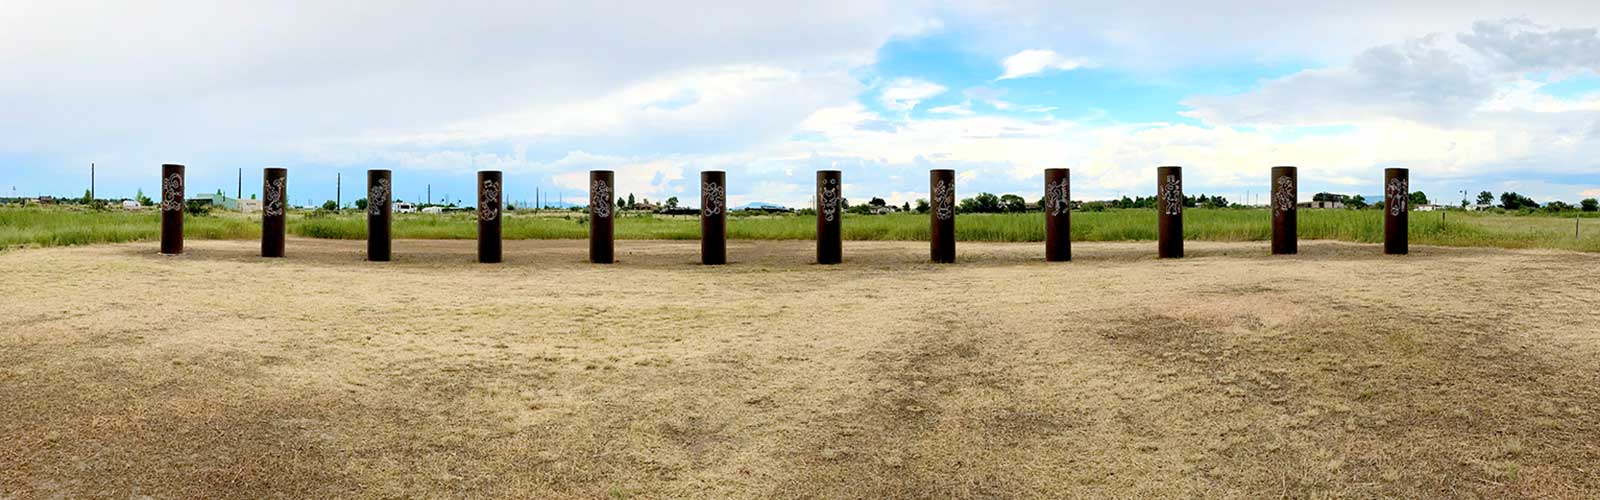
<point>1339,372</point>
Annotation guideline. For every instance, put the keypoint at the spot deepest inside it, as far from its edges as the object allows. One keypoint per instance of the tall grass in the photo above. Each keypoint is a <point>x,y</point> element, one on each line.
<point>47,227</point>
<point>57,226</point>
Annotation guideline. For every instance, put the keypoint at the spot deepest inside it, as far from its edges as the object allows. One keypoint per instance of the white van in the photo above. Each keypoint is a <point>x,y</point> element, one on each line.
<point>401,207</point>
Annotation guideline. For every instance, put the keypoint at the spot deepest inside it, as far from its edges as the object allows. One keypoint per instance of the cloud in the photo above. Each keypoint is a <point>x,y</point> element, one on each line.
<point>1431,79</point>
<point>963,109</point>
<point>903,94</point>
<point>1417,80</point>
<point>263,75</point>
<point>1035,61</point>
<point>547,94</point>
<point>1519,45</point>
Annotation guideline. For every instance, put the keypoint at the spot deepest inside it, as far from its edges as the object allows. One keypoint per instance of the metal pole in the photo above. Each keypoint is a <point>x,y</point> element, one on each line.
<point>1057,215</point>
<point>380,215</point>
<point>274,195</point>
<point>490,198</point>
<point>1169,220</point>
<point>602,229</point>
<point>172,209</point>
<point>942,215</point>
<point>91,183</point>
<point>1285,211</point>
<point>1396,209</point>
<point>338,189</point>
<point>830,244</point>
<point>713,217</point>
<point>238,193</point>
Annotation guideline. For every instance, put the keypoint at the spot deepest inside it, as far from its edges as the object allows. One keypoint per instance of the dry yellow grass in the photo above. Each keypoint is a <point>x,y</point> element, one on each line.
<point>1340,372</point>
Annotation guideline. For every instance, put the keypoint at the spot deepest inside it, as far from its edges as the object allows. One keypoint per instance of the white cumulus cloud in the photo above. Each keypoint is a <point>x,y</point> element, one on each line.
<point>1035,61</point>
<point>902,94</point>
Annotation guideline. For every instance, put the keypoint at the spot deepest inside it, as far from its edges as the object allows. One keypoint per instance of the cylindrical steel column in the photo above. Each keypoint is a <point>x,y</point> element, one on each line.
<point>602,212</point>
<point>490,200</point>
<point>942,214</point>
<point>1285,211</point>
<point>380,215</point>
<point>830,245</point>
<point>274,204</point>
<point>1169,201</point>
<point>1057,214</point>
<point>1396,211</point>
<point>172,209</point>
<point>713,217</point>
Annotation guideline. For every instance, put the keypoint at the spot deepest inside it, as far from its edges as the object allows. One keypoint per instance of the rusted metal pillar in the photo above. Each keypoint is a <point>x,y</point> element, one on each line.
<point>172,209</point>
<point>1396,210</point>
<point>942,215</point>
<point>1169,221</point>
<point>1285,211</point>
<point>602,212</point>
<point>380,214</point>
<point>490,198</point>
<point>1057,214</point>
<point>830,245</point>
<point>713,217</point>
<point>274,201</point>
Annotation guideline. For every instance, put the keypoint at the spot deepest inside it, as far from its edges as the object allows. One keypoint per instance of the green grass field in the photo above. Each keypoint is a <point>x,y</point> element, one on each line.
<point>33,226</point>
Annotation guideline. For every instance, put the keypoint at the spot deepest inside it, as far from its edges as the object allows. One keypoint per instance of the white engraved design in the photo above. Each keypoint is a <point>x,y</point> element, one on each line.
<point>944,200</point>
<point>378,197</point>
<point>1172,196</point>
<point>1285,197</point>
<point>1058,197</point>
<point>273,205</point>
<point>1399,194</point>
<point>489,201</point>
<point>828,199</point>
<point>172,193</point>
<point>712,198</point>
<point>600,199</point>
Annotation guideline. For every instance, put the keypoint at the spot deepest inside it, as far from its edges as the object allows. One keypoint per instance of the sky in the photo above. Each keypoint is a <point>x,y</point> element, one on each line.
<point>1471,96</point>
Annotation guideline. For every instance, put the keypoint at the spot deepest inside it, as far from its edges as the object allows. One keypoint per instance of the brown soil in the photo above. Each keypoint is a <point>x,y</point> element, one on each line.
<point>1339,372</point>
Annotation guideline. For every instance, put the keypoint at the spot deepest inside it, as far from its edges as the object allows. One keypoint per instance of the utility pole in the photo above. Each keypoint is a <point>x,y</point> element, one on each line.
<point>239,194</point>
<point>430,196</point>
<point>91,182</point>
<point>338,189</point>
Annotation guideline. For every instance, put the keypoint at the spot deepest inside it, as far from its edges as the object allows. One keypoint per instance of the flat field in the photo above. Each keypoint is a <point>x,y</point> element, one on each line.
<point>43,227</point>
<point>1451,372</point>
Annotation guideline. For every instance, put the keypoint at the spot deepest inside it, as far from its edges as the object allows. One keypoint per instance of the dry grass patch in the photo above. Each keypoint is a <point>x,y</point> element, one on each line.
<point>1336,373</point>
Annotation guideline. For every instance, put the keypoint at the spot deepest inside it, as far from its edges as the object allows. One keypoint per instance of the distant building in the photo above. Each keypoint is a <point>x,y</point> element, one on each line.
<point>220,201</point>
<point>401,207</point>
<point>433,210</point>
<point>1428,207</point>
<point>1480,207</point>
<point>1321,204</point>
<point>249,206</point>
<point>46,200</point>
<point>131,205</point>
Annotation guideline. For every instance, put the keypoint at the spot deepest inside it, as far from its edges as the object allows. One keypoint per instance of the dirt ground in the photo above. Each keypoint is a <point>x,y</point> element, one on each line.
<point>1338,372</point>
